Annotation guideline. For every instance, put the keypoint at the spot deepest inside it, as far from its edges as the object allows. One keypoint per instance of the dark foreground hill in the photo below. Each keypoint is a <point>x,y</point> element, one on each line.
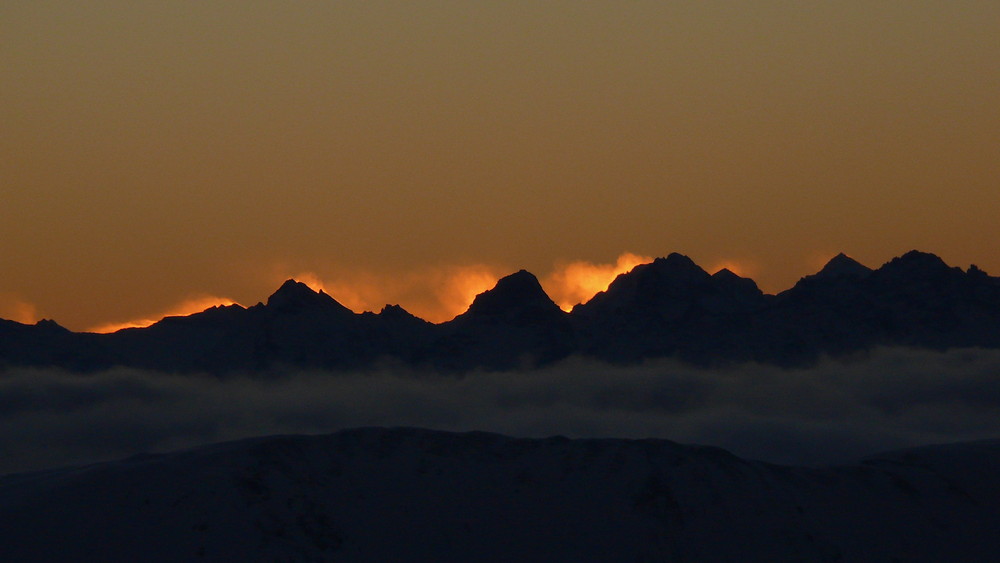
<point>668,308</point>
<point>417,495</point>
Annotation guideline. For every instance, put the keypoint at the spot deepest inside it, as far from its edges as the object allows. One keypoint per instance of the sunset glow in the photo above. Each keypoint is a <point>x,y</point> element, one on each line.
<point>15,309</point>
<point>314,283</point>
<point>312,221</point>
<point>434,294</point>
<point>462,285</point>
<point>187,307</point>
<point>407,154</point>
<point>440,294</point>
<point>576,282</point>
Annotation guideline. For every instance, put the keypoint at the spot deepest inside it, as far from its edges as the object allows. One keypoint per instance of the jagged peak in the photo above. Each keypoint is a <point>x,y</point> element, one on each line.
<point>51,325</point>
<point>520,276</point>
<point>392,309</point>
<point>843,266</point>
<point>976,271</point>
<point>516,291</point>
<point>291,284</point>
<point>675,274</point>
<point>726,274</point>
<point>396,312</point>
<point>678,261</point>
<point>675,266</point>
<point>295,295</point>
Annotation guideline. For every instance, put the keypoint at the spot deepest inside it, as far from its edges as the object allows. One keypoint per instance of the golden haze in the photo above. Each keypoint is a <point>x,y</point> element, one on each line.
<point>409,151</point>
<point>186,307</point>
<point>436,295</point>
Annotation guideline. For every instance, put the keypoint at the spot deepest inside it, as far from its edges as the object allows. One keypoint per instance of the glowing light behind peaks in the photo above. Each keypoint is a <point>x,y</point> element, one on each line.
<point>441,293</point>
<point>186,307</point>
<point>576,282</point>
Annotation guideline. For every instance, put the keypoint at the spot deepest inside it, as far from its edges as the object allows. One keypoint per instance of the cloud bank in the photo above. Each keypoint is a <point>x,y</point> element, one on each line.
<point>835,411</point>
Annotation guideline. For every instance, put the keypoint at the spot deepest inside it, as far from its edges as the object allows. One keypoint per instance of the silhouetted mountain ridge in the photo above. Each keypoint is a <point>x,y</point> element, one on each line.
<point>517,297</point>
<point>670,307</point>
<point>513,324</point>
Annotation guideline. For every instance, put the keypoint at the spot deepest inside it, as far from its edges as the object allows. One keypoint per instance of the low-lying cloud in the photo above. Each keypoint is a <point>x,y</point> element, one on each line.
<point>835,411</point>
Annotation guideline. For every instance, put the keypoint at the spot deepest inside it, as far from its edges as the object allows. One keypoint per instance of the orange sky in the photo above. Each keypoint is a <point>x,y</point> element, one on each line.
<point>434,294</point>
<point>152,153</point>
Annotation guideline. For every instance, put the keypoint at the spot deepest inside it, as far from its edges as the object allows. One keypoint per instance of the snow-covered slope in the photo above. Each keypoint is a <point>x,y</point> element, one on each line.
<point>418,495</point>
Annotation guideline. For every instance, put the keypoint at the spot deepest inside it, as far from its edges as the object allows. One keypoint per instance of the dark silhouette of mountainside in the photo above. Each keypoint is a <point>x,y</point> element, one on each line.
<point>668,308</point>
<point>407,494</point>
<point>514,323</point>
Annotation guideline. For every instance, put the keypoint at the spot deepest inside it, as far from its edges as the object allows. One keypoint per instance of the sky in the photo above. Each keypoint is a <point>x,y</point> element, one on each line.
<point>157,157</point>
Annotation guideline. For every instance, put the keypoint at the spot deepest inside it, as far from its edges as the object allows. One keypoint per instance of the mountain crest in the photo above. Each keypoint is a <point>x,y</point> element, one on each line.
<point>731,282</point>
<point>674,271</point>
<point>725,274</point>
<point>294,296</point>
<point>518,291</point>
<point>915,264</point>
<point>394,310</point>
<point>398,313</point>
<point>51,326</point>
<point>678,266</point>
<point>667,308</point>
<point>843,266</point>
<point>659,292</point>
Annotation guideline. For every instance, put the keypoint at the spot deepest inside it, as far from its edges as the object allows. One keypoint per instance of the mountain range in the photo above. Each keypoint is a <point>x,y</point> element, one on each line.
<point>670,307</point>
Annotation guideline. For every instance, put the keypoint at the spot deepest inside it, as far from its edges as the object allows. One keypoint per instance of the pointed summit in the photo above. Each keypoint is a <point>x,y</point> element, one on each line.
<point>513,324</point>
<point>518,291</point>
<point>395,313</point>
<point>843,266</point>
<point>292,291</point>
<point>726,274</point>
<point>294,297</point>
